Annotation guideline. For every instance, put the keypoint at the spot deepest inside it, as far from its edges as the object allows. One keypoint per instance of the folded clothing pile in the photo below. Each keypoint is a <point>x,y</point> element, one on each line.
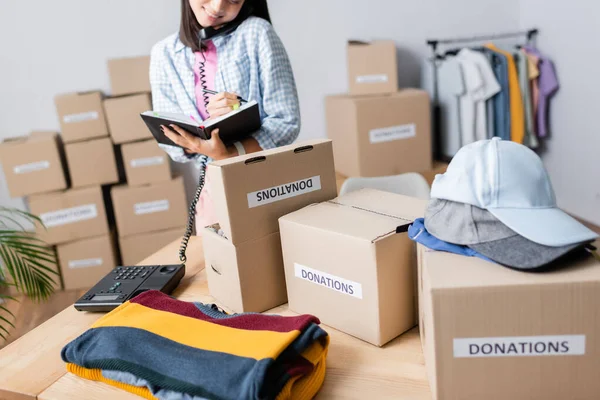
<point>162,348</point>
<point>496,202</point>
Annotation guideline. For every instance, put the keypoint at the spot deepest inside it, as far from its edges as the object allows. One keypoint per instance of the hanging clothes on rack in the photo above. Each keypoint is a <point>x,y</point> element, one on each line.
<point>494,90</point>
<point>548,86</point>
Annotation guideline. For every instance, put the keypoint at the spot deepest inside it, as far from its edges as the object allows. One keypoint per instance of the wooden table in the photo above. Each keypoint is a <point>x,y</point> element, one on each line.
<point>31,366</point>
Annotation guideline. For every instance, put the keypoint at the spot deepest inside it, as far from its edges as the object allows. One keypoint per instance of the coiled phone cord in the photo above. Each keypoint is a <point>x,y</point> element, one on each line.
<point>203,161</point>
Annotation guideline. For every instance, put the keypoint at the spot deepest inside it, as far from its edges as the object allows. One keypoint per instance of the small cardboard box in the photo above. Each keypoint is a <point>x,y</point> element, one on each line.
<point>145,163</point>
<point>247,277</point>
<point>489,332</point>
<point>346,264</point>
<point>123,114</point>
<point>83,263</point>
<point>380,135</point>
<point>70,215</point>
<point>129,75</point>
<point>33,164</point>
<point>92,163</point>
<point>252,191</point>
<point>81,116</point>
<point>372,67</point>
<point>137,247</point>
<point>150,208</point>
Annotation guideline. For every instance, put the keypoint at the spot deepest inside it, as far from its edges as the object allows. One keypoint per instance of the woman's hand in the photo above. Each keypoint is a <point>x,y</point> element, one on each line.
<point>221,104</point>
<point>213,148</point>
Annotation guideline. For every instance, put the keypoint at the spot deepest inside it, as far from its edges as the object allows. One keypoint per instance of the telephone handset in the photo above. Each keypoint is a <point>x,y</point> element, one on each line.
<point>207,34</point>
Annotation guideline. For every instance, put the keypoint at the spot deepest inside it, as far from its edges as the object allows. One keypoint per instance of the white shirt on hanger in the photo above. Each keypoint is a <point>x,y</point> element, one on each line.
<point>481,86</point>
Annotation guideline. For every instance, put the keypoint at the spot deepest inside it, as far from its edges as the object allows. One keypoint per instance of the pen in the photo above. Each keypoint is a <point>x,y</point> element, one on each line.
<point>213,92</point>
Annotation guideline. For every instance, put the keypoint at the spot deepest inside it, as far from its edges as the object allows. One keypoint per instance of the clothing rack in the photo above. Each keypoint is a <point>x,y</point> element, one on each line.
<point>434,43</point>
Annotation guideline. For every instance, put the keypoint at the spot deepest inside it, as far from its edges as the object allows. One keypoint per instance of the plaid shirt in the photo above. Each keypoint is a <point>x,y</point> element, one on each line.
<point>252,62</point>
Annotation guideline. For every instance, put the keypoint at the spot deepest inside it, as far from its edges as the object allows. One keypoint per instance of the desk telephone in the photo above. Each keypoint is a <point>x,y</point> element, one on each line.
<point>126,282</point>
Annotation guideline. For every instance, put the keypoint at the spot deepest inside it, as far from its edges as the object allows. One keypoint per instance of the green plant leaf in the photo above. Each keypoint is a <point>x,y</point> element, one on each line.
<point>7,321</point>
<point>23,214</point>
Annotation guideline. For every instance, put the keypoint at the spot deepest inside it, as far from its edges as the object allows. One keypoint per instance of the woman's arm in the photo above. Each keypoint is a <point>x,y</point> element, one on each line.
<point>280,97</point>
<point>163,97</point>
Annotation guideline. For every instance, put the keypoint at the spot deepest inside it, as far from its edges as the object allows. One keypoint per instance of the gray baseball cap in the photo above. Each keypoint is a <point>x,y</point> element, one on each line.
<point>478,229</point>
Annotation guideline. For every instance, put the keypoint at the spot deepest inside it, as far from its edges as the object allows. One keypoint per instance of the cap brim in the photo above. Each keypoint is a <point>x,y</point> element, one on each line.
<point>546,226</point>
<point>518,252</point>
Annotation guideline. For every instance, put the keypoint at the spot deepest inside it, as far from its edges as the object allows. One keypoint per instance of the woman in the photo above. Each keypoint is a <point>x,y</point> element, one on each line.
<point>244,58</point>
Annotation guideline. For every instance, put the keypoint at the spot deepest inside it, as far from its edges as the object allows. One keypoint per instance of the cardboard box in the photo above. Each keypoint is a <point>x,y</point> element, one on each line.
<point>380,135</point>
<point>489,332</point>
<point>85,262</point>
<point>33,164</point>
<point>149,208</point>
<point>81,116</point>
<point>129,75</point>
<point>137,247</point>
<point>12,291</point>
<point>372,67</point>
<point>345,263</point>
<point>145,163</point>
<point>252,191</point>
<point>92,163</point>
<point>123,114</point>
<point>70,215</point>
<point>246,277</point>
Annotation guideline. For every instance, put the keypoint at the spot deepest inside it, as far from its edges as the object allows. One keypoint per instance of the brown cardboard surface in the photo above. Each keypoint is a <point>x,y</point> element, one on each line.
<point>372,67</point>
<point>388,135</point>
<point>70,215</point>
<point>137,247</point>
<point>81,116</point>
<point>83,263</point>
<point>150,208</point>
<point>467,303</point>
<point>247,277</point>
<point>242,187</point>
<point>123,115</point>
<point>145,163</point>
<point>345,263</point>
<point>92,163</point>
<point>129,75</point>
<point>33,164</point>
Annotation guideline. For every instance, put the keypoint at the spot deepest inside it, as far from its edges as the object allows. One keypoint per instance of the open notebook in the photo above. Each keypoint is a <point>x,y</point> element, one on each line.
<point>233,126</point>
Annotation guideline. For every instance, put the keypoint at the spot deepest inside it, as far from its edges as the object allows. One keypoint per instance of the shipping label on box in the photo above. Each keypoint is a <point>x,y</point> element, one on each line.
<point>343,257</point>
<point>145,163</point>
<point>149,208</point>
<point>372,67</point>
<point>92,163</point>
<point>33,164</point>
<point>83,263</point>
<point>70,215</point>
<point>485,327</point>
<point>81,116</point>
<point>380,135</point>
<point>251,192</point>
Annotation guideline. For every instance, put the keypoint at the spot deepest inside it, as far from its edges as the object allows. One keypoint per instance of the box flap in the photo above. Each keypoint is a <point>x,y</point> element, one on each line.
<point>451,271</point>
<point>252,192</point>
<point>366,214</point>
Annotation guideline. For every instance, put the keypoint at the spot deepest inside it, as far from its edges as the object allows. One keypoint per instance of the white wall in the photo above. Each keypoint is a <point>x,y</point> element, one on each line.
<point>57,46</point>
<point>568,35</point>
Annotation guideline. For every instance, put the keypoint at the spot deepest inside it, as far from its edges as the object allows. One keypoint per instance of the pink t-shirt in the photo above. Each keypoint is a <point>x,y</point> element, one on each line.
<point>209,57</point>
<point>205,210</point>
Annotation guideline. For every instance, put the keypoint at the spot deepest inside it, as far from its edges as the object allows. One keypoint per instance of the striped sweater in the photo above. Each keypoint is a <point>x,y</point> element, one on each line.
<point>162,348</point>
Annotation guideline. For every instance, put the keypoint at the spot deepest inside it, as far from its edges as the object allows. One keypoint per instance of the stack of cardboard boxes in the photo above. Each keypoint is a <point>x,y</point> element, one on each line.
<point>34,165</point>
<point>150,210</point>
<point>377,129</point>
<point>244,264</point>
